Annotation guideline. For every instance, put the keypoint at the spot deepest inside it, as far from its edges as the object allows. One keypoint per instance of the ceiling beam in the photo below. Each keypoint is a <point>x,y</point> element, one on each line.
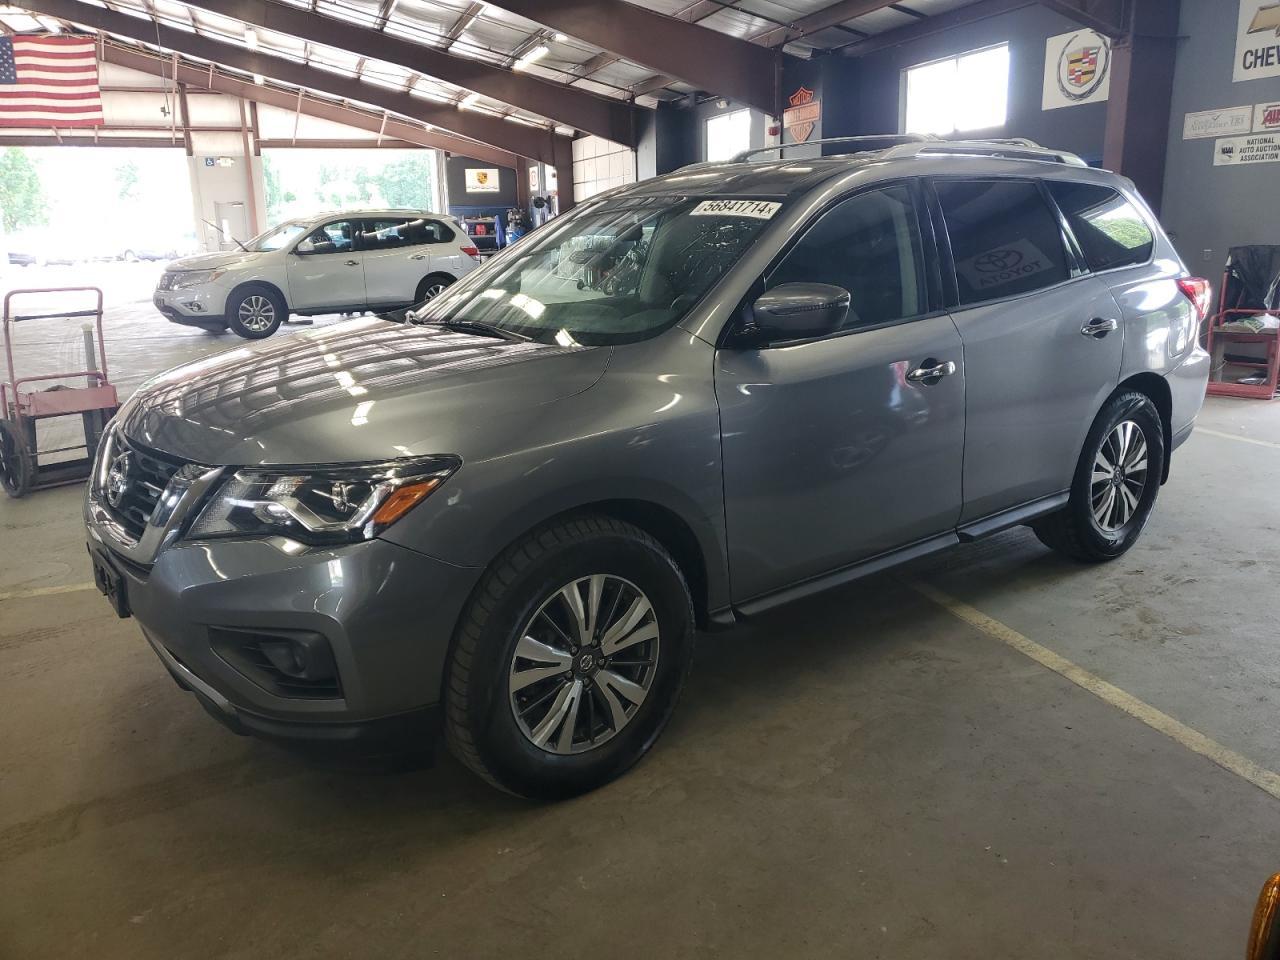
<point>198,78</point>
<point>1107,17</point>
<point>513,138</point>
<point>465,19</point>
<point>605,117</point>
<point>938,23</point>
<point>708,59</point>
<point>831,16</point>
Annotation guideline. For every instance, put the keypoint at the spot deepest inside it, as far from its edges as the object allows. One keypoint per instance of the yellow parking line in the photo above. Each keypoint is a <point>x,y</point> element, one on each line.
<point>1193,740</point>
<point>46,591</point>
<point>1236,436</point>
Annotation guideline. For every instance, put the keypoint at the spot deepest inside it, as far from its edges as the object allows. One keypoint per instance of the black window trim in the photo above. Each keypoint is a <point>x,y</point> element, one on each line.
<point>949,267</point>
<point>731,331</point>
<point>1138,208</point>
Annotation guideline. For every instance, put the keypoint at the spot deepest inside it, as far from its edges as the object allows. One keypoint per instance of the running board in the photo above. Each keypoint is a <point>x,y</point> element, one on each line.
<point>1012,518</point>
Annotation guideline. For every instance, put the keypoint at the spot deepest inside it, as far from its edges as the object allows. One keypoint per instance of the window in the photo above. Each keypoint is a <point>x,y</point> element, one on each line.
<point>1005,239</point>
<point>614,272</point>
<point>728,134</point>
<point>331,238</point>
<point>1111,231</point>
<point>968,92</point>
<point>276,237</point>
<point>391,232</point>
<point>870,245</point>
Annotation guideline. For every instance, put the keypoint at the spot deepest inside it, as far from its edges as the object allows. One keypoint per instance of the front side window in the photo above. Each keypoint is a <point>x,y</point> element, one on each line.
<point>967,92</point>
<point>870,245</point>
<point>1005,239</point>
<point>1111,231</point>
<point>331,238</point>
<point>609,273</point>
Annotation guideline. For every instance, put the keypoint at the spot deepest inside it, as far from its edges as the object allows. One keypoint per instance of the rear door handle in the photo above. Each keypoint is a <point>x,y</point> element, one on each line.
<point>931,371</point>
<point>1099,327</point>
<point>418,256</point>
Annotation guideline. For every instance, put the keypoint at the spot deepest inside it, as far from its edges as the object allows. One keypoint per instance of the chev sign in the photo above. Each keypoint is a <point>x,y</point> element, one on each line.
<point>1257,40</point>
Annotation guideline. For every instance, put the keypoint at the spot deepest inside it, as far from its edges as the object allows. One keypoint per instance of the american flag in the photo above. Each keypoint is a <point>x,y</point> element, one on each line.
<point>49,82</point>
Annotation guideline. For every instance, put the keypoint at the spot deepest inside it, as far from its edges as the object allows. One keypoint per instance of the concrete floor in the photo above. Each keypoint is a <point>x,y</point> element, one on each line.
<point>862,774</point>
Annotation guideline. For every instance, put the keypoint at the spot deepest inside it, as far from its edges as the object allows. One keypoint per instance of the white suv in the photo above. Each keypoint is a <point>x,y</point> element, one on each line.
<point>332,263</point>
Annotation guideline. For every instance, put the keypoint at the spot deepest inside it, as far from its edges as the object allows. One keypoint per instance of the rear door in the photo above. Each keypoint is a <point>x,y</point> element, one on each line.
<point>326,269</point>
<point>396,258</point>
<point>838,449</point>
<point>1043,342</point>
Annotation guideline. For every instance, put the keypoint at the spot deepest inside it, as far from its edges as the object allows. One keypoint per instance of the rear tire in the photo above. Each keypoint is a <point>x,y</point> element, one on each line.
<point>546,703</point>
<point>1115,485</point>
<point>431,287</point>
<point>255,312</point>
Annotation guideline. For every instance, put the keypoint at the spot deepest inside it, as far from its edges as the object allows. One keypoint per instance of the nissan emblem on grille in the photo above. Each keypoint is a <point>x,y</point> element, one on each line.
<point>118,479</point>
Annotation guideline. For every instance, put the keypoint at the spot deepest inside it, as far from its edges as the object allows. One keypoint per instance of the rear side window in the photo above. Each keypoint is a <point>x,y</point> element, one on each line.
<point>870,245</point>
<point>1005,239</point>
<point>1111,231</point>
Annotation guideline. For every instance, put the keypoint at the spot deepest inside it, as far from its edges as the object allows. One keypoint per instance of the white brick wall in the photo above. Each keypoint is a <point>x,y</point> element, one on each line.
<point>600,165</point>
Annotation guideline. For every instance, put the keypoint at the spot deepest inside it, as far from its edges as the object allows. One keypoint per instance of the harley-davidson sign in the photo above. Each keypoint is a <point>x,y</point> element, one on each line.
<point>803,114</point>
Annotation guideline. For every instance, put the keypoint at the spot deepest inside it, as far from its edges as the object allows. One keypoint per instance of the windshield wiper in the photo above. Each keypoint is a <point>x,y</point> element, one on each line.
<point>478,327</point>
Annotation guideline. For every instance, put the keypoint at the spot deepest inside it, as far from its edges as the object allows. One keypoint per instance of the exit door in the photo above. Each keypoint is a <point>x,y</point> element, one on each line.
<point>232,222</point>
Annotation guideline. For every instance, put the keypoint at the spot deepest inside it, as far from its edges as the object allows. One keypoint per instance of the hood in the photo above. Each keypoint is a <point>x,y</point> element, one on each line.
<point>211,261</point>
<point>366,389</point>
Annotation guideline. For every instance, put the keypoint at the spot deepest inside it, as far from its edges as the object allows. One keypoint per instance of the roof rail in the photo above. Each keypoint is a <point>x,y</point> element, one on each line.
<point>884,139</point>
<point>1015,148</point>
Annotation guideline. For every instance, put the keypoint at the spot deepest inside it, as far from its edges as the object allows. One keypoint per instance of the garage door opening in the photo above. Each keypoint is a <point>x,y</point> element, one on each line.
<point>303,181</point>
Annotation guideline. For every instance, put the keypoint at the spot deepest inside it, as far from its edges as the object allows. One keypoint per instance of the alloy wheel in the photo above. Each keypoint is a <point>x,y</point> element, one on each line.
<point>584,663</point>
<point>256,313</point>
<point>1119,476</point>
<point>432,292</point>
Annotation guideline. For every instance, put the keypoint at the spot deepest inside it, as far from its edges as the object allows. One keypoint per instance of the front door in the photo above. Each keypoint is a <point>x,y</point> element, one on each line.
<point>836,449</point>
<point>326,270</point>
<point>1042,342</point>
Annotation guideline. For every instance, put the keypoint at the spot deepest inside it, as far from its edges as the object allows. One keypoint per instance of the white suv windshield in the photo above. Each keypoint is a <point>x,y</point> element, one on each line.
<point>276,237</point>
<point>614,272</point>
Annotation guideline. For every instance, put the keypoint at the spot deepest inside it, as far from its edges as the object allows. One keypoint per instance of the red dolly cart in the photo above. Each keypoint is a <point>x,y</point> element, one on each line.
<point>26,400</point>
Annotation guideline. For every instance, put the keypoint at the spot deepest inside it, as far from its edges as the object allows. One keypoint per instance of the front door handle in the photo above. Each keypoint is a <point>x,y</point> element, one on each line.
<point>418,256</point>
<point>931,371</point>
<point>1099,327</point>
<point>353,263</point>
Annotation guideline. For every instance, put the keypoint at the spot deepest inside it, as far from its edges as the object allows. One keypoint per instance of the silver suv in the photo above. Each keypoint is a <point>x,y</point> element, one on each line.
<point>684,403</point>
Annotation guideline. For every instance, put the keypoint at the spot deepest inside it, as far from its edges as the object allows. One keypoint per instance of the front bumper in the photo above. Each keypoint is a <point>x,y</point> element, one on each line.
<point>387,614</point>
<point>193,307</point>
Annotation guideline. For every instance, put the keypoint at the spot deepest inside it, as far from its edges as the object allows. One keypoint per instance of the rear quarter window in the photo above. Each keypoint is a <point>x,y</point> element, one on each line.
<point>1110,230</point>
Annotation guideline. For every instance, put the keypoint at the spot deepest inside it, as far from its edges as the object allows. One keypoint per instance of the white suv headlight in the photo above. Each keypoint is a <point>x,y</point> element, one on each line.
<point>194,278</point>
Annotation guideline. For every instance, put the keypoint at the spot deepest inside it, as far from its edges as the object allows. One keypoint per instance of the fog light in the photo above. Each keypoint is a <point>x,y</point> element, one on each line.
<point>305,657</point>
<point>194,306</point>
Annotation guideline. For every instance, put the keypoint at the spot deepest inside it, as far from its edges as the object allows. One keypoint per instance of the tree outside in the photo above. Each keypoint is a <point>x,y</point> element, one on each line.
<point>22,198</point>
<point>302,182</point>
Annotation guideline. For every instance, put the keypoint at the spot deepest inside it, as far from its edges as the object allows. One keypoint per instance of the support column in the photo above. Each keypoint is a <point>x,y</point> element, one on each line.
<point>522,183</point>
<point>1137,130</point>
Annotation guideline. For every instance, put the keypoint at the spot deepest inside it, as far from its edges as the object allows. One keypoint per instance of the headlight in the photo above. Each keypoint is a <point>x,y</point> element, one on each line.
<point>321,505</point>
<point>194,278</point>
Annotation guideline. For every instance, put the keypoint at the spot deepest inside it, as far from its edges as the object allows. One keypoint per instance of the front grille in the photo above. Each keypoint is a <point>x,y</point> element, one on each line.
<point>149,472</point>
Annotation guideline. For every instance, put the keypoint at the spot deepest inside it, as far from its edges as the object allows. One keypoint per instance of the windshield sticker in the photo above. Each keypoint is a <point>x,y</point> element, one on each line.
<point>759,209</point>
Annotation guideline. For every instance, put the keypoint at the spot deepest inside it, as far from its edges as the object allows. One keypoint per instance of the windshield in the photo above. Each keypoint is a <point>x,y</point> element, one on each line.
<point>276,237</point>
<point>615,272</point>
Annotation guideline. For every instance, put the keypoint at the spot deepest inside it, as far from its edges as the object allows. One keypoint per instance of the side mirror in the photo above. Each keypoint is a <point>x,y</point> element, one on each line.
<point>797,311</point>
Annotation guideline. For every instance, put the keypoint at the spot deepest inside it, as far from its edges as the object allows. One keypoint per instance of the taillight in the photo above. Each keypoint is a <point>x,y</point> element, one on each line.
<point>474,252</point>
<point>1198,292</point>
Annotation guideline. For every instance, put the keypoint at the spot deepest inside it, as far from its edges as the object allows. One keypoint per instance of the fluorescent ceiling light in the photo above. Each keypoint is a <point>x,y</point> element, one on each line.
<point>251,39</point>
<point>531,56</point>
<point>468,102</point>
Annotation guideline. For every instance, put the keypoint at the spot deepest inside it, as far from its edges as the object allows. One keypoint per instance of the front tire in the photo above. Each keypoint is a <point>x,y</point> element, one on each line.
<point>255,312</point>
<point>569,658</point>
<point>1115,485</point>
